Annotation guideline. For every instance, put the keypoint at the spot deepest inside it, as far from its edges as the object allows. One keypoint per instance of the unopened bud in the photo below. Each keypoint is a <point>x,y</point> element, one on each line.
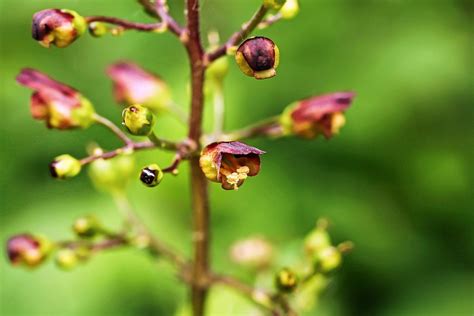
<point>258,57</point>
<point>64,167</point>
<point>151,175</point>
<point>329,259</point>
<point>286,280</point>
<point>98,29</point>
<point>27,249</point>
<point>67,259</point>
<point>87,226</point>
<point>138,120</point>
<point>273,4</point>
<point>290,9</point>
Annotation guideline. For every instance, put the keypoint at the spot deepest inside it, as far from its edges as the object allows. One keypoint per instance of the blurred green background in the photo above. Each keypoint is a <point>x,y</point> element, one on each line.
<point>397,181</point>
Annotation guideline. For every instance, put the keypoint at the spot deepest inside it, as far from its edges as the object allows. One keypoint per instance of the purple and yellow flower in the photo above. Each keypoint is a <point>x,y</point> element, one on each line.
<point>258,57</point>
<point>317,115</point>
<point>134,85</point>
<point>57,27</point>
<point>27,250</point>
<point>230,163</point>
<point>59,105</point>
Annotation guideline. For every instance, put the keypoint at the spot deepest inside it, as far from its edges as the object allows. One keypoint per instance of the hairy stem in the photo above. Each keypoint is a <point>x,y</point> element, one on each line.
<point>199,183</point>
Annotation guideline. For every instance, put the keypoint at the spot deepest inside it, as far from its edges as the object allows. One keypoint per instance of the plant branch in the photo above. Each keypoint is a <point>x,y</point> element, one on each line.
<point>162,143</point>
<point>149,7</point>
<point>161,10</point>
<point>118,151</point>
<point>267,127</point>
<point>270,20</point>
<point>128,25</point>
<point>238,36</point>
<point>114,128</point>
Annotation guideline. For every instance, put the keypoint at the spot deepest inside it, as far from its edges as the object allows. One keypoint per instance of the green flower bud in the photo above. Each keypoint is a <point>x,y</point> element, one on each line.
<point>317,239</point>
<point>258,57</point>
<point>67,259</point>
<point>87,226</point>
<point>57,27</point>
<point>329,259</point>
<point>274,4</point>
<point>138,120</point>
<point>151,175</point>
<point>65,166</point>
<point>286,280</point>
<point>98,29</point>
<point>290,9</point>
<point>111,175</point>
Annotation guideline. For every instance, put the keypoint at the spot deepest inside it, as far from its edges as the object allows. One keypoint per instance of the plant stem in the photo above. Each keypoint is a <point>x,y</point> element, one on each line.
<point>128,25</point>
<point>162,143</point>
<point>199,183</point>
<point>113,153</point>
<point>266,127</point>
<point>114,128</point>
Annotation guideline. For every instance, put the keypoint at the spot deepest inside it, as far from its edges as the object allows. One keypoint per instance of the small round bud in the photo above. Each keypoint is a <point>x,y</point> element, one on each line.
<point>258,57</point>
<point>98,29</point>
<point>290,9</point>
<point>329,259</point>
<point>65,166</point>
<point>27,250</point>
<point>138,120</point>
<point>67,259</point>
<point>87,226</point>
<point>151,175</point>
<point>286,280</point>
<point>57,27</point>
<point>274,4</point>
<point>253,252</point>
<point>316,240</point>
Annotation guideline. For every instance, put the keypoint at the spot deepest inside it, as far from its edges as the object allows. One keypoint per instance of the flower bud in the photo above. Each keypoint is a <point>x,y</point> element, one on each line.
<point>61,106</point>
<point>151,175</point>
<point>317,239</point>
<point>67,259</point>
<point>64,167</point>
<point>138,120</point>
<point>87,226</point>
<point>254,252</point>
<point>57,27</point>
<point>111,175</point>
<point>230,163</point>
<point>329,258</point>
<point>286,280</point>
<point>317,115</point>
<point>27,250</point>
<point>98,29</point>
<point>290,9</point>
<point>135,85</point>
<point>258,57</point>
<point>273,4</point>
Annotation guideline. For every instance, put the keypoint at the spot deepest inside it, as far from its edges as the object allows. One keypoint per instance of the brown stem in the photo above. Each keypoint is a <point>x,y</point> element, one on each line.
<point>199,183</point>
<point>113,128</point>
<point>238,36</point>
<point>126,24</point>
<point>270,20</point>
<point>269,127</point>
<point>118,151</point>
<point>162,12</point>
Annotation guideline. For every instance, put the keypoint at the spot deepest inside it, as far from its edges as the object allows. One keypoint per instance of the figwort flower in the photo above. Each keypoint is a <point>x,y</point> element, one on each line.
<point>230,163</point>
<point>58,27</point>
<point>258,57</point>
<point>61,106</point>
<point>254,252</point>
<point>317,115</point>
<point>151,175</point>
<point>133,84</point>
<point>138,120</point>
<point>64,167</point>
<point>26,249</point>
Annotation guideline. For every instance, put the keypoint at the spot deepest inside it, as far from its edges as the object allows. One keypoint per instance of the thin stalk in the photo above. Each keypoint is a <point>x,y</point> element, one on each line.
<point>128,25</point>
<point>162,143</point>
<point>113,128</point>
<point>266,127</point>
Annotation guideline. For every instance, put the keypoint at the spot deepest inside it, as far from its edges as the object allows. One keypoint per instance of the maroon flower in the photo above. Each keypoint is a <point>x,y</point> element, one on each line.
<point>134,85</point>
<point>61,106</point>
<point>58,27</point>
<point>258,57</point>
<point>25,249</point>
<point>317,115</point>
<point>230,163</point>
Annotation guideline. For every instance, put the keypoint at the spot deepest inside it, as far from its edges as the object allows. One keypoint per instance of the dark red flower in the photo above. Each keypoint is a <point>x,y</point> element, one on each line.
<point>58,27</point>
<point>59,105</point>
<point>134,85</point>
<point>258,57</point>
<point>230,163</point>
<point>317,115</point>
<point>25,249</point>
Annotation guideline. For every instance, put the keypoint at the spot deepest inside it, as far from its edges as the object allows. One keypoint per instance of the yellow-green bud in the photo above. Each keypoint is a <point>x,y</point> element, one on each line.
<point>329,258</point>
<point>290,9</point>
<point>65,166</point>
<point>273,4</point>
<point>87,226</point>
<point>67,259</point>
<point>98,29</point>
<point>316,240</point>
<point>286,280</point>
<point>138,120</point>
<point>151,175</point>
